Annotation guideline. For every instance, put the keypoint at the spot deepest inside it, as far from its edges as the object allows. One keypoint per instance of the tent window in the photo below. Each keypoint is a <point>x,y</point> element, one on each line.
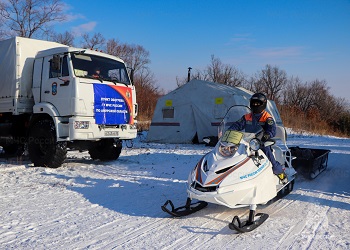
<point>168,112</point>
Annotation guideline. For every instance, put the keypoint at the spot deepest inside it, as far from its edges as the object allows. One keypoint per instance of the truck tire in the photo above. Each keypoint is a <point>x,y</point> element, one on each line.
<point>105,150</point>
<point>43,148</point>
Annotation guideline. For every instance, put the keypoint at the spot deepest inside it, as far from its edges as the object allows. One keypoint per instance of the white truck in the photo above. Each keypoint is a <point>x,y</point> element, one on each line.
<point>55,97</point>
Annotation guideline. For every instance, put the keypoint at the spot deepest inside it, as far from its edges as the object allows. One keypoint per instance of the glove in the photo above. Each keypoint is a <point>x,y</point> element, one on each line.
<point>265,137</point>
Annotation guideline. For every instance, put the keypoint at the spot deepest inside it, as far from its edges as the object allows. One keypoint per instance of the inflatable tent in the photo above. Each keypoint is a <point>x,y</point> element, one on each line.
<point>195,110</point>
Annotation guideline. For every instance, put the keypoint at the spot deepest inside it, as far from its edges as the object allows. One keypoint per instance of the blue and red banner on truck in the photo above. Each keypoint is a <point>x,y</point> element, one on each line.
<point>113,104</point>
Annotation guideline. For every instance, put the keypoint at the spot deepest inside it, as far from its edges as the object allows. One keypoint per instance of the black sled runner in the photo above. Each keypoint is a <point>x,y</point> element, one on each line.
<point>188,209</point>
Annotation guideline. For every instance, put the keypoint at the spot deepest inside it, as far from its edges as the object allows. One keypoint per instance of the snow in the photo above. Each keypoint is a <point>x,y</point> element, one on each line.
<point>116,205</point>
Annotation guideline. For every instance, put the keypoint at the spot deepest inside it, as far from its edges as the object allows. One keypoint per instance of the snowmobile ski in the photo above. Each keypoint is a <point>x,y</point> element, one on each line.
<point>188,209</point>
<point>249,225</point>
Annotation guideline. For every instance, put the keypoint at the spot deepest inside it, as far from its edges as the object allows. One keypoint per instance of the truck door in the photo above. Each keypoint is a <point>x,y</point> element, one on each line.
<point>57,83</point>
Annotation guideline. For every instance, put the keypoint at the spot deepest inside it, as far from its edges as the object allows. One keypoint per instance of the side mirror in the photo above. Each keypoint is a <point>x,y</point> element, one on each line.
<point>56,62</point>
<point>132,76</point>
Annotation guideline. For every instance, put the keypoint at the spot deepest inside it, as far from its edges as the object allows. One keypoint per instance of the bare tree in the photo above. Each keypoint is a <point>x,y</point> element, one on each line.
<point>196,74</point>
<point>224,73</point>
<point>97,41</point>
<point>181,81</point>
<point>313,96</point>
<point>136,57</point>
<point>116,48</point>
<point>237,78</point>
<point>297,94</point>
<point>29,18</point>
<point>270,81</point>
<point>65,38</point>
<point>214,70</point>
<point>147,93</point>
<point>218,72</point>
<point>200,75</point>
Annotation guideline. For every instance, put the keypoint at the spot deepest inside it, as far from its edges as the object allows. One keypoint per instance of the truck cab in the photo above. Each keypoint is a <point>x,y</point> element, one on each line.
<point>87,96</point>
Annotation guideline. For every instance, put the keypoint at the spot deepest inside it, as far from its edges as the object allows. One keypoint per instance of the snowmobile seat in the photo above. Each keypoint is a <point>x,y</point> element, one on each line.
<point>281,135</point>
<point>279,154</point>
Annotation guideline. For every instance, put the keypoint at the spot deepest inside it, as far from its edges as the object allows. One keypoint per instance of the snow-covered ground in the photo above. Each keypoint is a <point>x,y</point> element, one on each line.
<point>116,205</point>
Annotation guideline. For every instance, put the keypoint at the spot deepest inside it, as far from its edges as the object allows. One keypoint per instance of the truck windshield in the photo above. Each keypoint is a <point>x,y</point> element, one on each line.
<point>101,68</point>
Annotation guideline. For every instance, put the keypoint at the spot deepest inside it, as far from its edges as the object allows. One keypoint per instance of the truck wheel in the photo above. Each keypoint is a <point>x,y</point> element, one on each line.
<point>43,148</point>
<point>105,150</point>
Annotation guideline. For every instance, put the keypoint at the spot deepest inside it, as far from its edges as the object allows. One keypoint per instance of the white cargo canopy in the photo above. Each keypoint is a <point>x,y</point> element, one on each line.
<point>16,66</point>
<point>195,110</point>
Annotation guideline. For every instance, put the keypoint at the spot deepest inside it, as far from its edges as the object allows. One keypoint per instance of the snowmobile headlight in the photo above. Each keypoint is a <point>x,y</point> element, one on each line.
<point>254,144</point>
<point>193,174</point>
<point>192,177</point>
<point>227,149</point>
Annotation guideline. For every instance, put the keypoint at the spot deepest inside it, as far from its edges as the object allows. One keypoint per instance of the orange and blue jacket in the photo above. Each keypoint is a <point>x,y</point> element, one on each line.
<point>252,123</point>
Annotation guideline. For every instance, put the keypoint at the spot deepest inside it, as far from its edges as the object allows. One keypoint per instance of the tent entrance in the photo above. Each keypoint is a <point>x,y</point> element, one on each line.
<point>195,139</point>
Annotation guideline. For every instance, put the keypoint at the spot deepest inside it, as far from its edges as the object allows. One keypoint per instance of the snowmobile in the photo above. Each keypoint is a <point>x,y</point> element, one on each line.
<point>236,173</point>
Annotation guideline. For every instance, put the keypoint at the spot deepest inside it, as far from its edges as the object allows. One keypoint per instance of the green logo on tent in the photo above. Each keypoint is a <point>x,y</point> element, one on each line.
<point>219,100</point>
<point>169,103</point>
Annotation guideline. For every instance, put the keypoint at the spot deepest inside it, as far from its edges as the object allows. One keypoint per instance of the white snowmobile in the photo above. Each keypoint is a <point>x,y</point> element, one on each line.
<point>237,173</point>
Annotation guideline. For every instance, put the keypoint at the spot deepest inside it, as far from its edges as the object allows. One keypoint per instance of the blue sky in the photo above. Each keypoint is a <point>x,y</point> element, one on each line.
<point>306,38</point>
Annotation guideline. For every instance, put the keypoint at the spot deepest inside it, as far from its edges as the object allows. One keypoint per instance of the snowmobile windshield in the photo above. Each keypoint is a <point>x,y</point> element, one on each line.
<point>229,143</point>
<point>233,114</point>
<point>101,68</point>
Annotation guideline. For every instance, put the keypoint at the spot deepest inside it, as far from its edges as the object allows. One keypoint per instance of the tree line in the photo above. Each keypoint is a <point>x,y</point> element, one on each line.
<point>303,105</point>
<point>36,19</point>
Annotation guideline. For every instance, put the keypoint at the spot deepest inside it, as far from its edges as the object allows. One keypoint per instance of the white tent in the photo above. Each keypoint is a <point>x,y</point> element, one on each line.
<point>194,110</point>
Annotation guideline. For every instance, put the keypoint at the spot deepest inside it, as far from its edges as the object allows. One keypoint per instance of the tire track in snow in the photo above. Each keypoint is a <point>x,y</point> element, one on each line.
<point>190,238</point>
<point>160,225</point>
<point>225,230</point>
<point>140,232</point>
<point>137,231</point>
<point>23,232</point>
<point>97,235</point>
<point>317,227</point>
<point>118,173</point>
<point>271,209</point>
<point>301,235</point>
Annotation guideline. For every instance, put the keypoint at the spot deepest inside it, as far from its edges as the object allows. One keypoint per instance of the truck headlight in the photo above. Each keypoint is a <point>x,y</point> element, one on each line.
<point>81,124</point>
